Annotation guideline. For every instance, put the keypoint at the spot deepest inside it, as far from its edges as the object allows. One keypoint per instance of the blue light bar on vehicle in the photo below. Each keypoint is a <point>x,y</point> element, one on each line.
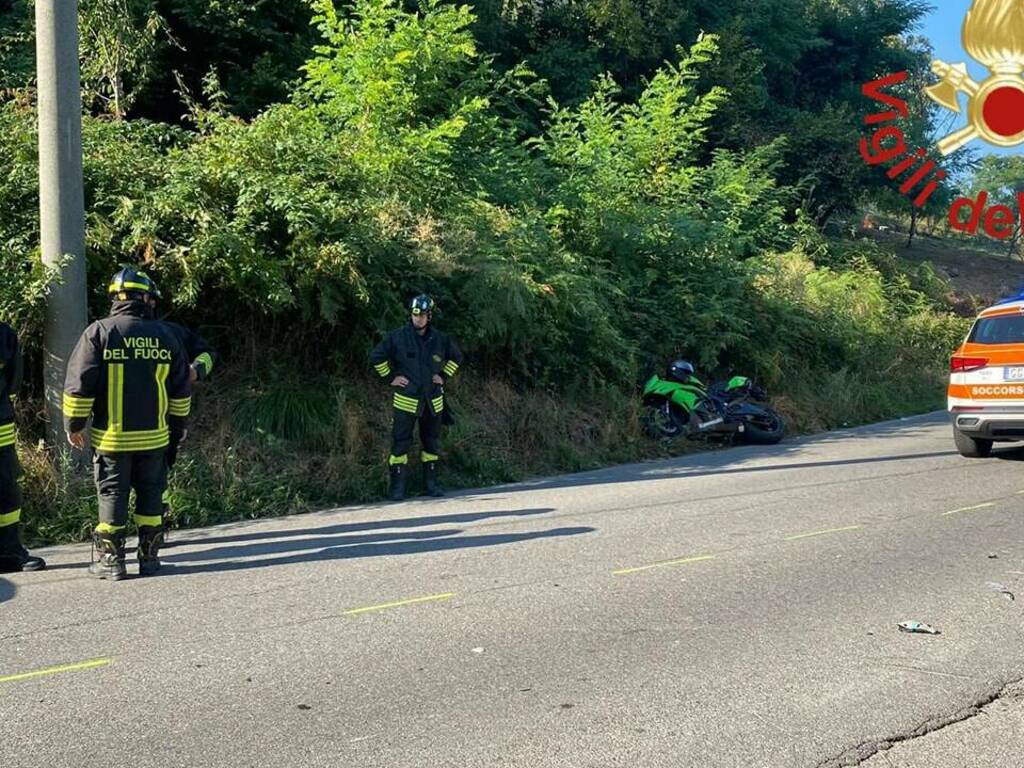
<point>1019,296</point>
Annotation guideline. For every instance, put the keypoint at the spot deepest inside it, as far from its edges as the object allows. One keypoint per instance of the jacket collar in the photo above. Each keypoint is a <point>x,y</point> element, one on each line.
<point>426,334</point>
<point>132,308</point>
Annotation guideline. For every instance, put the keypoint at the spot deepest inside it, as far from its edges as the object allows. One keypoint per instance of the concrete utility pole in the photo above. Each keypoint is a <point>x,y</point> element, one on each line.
<point>61,196</point>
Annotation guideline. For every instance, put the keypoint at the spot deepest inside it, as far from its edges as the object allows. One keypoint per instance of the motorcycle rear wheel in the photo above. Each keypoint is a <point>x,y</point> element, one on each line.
<point>768,431</point>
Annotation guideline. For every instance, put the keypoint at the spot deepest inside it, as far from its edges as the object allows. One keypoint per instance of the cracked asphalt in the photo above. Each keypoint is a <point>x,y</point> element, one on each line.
<point>988,735</point>
<point>732,608</point>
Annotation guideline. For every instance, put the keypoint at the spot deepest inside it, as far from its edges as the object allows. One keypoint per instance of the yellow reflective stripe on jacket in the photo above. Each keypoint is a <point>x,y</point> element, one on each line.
<point>180,406</point>
<point>162,370</point>
<point>7,435</point>
<point>451,367</point>
<point>116,441</point>
<point>438,403</point>
<point>403,459</point>
<point>426,457</point>
<point>74,406</point>
<point>406,404</point>
<point>115,397</point>
<point>10,518</point>
<point>384,369</point>
<point>206,361</point>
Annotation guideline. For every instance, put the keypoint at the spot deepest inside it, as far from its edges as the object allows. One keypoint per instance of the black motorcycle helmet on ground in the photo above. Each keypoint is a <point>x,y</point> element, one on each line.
<point>681,371</point>
<point>129,283</point>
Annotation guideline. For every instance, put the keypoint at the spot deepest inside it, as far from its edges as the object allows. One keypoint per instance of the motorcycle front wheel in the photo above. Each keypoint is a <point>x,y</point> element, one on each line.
<point>660,421</point>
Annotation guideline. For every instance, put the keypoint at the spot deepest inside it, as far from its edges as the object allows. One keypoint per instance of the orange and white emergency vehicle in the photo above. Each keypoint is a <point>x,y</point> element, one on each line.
<point>986,380</point>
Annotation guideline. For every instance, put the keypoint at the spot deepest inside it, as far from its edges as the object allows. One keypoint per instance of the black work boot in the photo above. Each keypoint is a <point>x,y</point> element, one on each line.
<point>13,556</point>
<point>111,563</point>
<point>150,540</point>
<point>430,485</point>
<point>396,491</point>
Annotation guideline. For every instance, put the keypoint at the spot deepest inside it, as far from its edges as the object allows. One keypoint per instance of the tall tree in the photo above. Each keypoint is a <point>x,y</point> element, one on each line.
<point>253,48</point>
<point>920,129</point>
<point>1002,176</point>
<point>118,41</point>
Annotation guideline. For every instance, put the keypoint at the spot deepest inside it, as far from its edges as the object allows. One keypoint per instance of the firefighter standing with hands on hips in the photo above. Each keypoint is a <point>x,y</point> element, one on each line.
<point>130,373</point>
<point>417,359</point>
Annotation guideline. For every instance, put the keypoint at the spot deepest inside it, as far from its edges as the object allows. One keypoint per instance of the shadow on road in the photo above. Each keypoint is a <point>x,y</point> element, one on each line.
<point>697,466</point>
<point>310,539</point>
<point>312,544</point>
<point>369,525</point>
<point>7,590</point>
<point>347,547</point>
<point>1009,454</point>
<point>913,426</point>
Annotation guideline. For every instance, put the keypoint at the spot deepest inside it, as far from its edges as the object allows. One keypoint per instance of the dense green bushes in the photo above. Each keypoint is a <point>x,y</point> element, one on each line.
<point>565,262</point>
<point>393,169</point>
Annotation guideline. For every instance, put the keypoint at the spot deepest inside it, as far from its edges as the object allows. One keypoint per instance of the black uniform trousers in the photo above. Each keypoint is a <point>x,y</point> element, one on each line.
<point>10,471</point>
<point>405,423</point>
<point>12,554</point>
<point>172,449</point>
<point>117,474</point>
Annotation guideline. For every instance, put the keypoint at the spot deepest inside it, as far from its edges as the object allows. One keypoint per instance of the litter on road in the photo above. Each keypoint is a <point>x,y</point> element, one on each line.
<point>1001,589</point>
<point>918,627</point>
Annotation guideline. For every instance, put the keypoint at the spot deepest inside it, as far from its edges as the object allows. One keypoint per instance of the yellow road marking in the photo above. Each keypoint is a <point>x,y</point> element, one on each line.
<point>56,670</point>
<point>822,533</point>
<point>986,505</point>
<point>397,603</point>
<point>663,564</point>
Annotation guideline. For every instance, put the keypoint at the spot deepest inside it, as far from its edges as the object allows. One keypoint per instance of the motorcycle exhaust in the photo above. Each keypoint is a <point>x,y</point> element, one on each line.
<point>718,425</point>
<point>706,425</point>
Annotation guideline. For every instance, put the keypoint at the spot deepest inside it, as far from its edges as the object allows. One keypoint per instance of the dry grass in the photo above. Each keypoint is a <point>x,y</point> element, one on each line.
<point>501,434</point>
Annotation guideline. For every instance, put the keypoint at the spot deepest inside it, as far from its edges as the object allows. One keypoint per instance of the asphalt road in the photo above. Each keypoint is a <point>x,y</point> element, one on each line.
<point>734,608</point>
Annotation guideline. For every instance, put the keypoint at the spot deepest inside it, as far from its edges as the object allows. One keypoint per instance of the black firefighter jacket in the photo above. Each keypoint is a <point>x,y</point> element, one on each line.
<point>403,352</point>
<point>199,351</point>
<point>130,373</point>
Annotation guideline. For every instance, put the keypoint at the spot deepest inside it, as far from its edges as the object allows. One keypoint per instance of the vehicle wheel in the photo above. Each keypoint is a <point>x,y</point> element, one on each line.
<point>766,431</point>
<point>660,420</point>
<point>971,447</point>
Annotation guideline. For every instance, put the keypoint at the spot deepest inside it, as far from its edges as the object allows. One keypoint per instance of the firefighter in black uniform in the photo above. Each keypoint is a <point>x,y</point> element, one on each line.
<point>418,360</point>
<point>13,556</point>
<point>129,372</point>
<point>203,358</point>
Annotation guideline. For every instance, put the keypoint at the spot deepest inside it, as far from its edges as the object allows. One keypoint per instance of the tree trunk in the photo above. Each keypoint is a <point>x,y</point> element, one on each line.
<point>1014,240</point>
<point>116,87</point>
<point>823,215</point>
<point>913,226</point>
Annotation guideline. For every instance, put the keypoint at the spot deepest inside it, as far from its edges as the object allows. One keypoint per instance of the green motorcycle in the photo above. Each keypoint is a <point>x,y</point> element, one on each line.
<point>681,405</point>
